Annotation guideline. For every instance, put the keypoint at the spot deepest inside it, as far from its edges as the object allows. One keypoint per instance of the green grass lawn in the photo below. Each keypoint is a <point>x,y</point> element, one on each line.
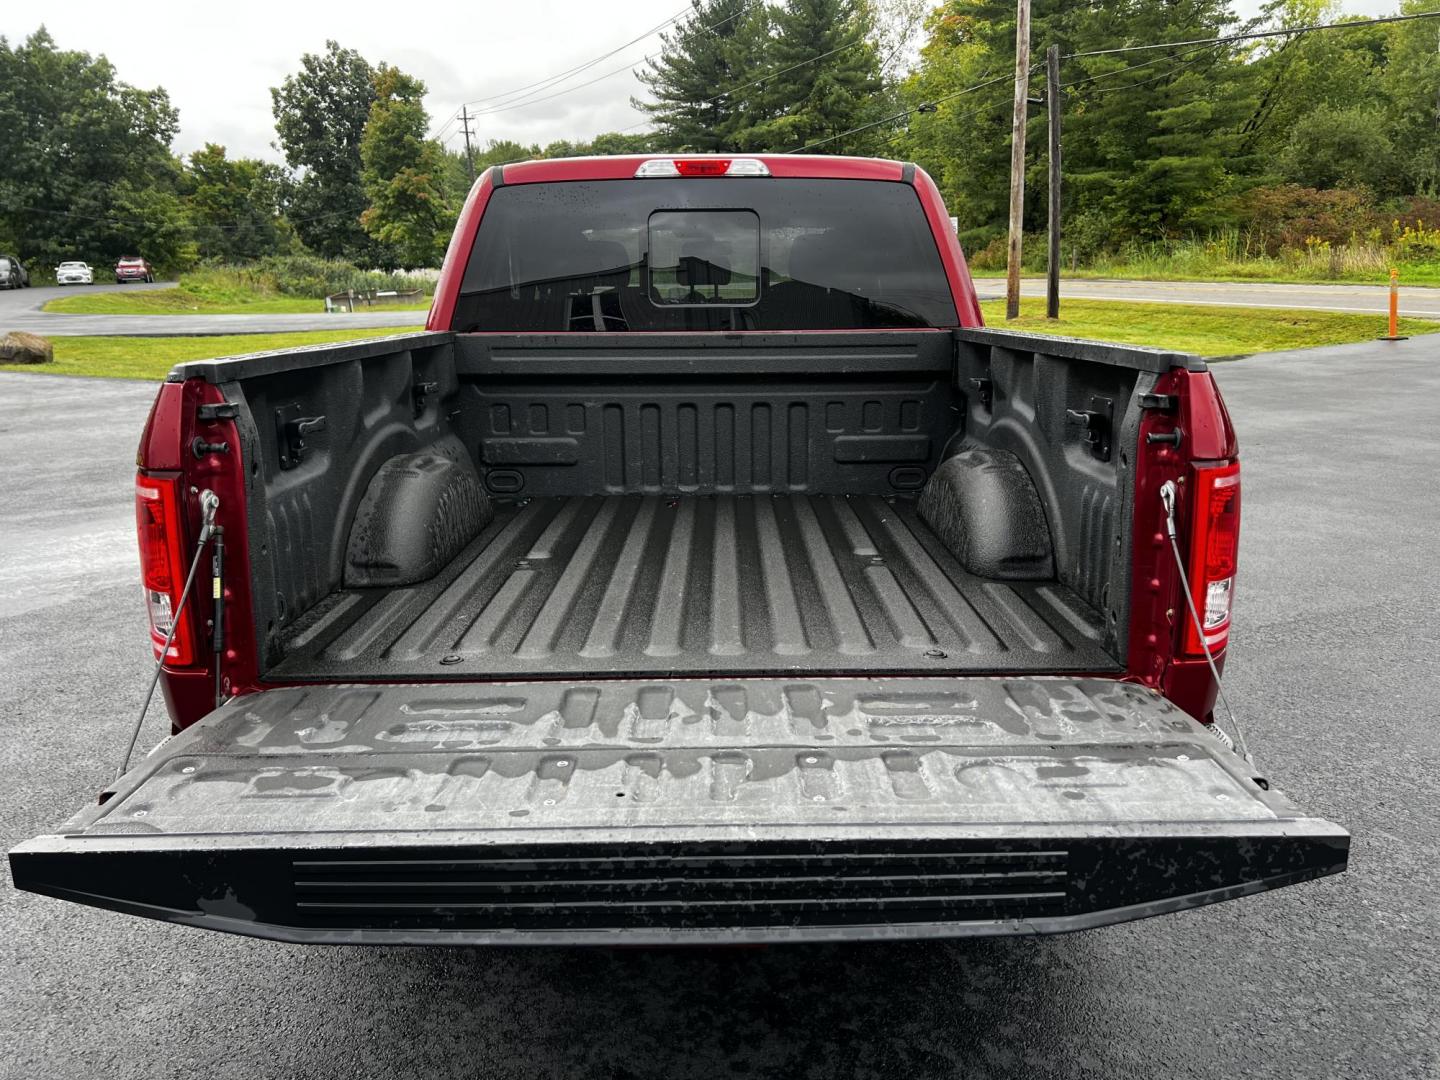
<point>152,357</point>
<point>181,302</point>
<point>1260,273</point>
<point>1209,331</point>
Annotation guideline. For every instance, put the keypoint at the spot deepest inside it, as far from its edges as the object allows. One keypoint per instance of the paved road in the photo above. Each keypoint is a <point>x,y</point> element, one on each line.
<point>1334,665</point>
<point>20,310</point>
<point>1415,301</point>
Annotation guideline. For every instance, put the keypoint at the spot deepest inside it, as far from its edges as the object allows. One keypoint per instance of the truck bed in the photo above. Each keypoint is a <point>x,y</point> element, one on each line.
<point>698,585</point>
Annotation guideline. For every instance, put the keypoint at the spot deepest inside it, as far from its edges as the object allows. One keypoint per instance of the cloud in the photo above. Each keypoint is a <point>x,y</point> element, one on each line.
<point>218,63</point>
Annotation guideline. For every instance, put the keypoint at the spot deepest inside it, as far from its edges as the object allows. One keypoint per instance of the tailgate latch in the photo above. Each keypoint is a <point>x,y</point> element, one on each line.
<point>1097,423</point>
<point>419,392</point>
<point>291,430</point>
<point>985,391</point>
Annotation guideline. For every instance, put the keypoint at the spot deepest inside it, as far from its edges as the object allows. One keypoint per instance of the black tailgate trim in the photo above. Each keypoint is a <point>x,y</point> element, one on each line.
<point>271,894</point>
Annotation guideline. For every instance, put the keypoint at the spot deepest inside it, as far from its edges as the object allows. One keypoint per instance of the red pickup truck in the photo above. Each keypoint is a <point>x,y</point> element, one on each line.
<point>705,572</point>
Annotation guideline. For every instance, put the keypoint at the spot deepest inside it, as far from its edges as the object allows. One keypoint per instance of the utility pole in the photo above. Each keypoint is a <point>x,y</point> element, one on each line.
<point>1054,108</point>
<point>1017,158</point>
<point>465,125</point>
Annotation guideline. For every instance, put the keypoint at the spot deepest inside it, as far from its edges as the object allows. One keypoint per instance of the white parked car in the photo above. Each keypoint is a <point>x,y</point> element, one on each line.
<point>74,273</point>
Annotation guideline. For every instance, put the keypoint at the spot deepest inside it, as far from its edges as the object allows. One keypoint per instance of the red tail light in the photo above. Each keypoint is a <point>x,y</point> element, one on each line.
<point>162,564</point>
<point>661,167</point>
<point>1214,545</point>
<point>703,166</point>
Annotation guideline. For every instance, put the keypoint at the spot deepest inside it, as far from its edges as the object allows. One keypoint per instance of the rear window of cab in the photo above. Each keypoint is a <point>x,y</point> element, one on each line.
<point>726,253</point>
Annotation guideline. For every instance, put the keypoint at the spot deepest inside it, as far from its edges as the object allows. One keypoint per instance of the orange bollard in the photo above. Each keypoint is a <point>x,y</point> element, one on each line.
<point>1394,334</point>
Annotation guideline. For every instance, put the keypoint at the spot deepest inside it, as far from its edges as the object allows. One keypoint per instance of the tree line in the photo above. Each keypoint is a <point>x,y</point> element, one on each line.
<point>86,169</point>
<point>1303,138</point>
<point>1320,135</point>
<point>1317,136</point>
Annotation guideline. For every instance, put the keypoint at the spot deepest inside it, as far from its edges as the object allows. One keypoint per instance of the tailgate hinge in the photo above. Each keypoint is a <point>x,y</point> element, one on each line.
<point>217,410</point>
<point>213,413</point>
<point>1162,403</point>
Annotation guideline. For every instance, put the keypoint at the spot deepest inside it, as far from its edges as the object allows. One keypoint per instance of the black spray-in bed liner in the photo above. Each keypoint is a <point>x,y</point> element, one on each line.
<point>657,585</point>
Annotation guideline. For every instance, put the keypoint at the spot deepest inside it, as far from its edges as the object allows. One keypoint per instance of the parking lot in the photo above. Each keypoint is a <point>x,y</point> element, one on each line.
<point>1334,667</point>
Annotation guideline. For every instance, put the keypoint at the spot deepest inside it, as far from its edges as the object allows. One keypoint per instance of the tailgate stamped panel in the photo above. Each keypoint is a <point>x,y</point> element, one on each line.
<point>700,810</point>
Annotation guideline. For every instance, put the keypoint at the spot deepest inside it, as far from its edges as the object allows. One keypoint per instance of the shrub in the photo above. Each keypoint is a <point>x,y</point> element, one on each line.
<point>1034,250</point>
<point>979,238</point>
<point>1287,215</point>
<point>1414,211</point>
<point>1340,146</point>
<point>306,276</point>
<point>1415,243</point>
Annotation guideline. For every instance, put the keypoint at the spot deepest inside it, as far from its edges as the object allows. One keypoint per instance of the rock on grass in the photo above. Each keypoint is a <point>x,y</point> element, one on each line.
<point>18,347</point>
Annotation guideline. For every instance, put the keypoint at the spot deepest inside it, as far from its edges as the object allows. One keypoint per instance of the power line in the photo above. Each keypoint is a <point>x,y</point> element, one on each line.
<point>1117,71</point>
<point>924,106</point>
<point>785,70</point>
<point>560,93</point>
<point>553,80</point>
<point>444,132</point>
<point>525,95</point>
<point>1200,52</point>
<point>561,76</point>
<point>109,219</point>
<point>904,40</point>
<point>756,82</point>
<point>1201,55</point>
<point>1253,35</point>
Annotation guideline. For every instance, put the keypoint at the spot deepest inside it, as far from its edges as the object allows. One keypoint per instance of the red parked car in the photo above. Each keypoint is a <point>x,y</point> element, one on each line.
<point>133,268</point>
<point>707,572</point>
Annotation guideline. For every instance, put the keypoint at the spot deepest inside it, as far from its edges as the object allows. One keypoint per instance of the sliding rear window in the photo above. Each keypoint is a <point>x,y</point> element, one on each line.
<point>704,254</point>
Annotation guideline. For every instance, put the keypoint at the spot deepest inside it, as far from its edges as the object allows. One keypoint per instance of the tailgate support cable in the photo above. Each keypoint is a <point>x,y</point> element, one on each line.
<point>209,503</point>
<point>1167,496</point>
<point>217,589</point>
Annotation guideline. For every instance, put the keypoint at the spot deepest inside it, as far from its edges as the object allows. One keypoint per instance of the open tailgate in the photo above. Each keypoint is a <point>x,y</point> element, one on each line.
<point>683,811</point>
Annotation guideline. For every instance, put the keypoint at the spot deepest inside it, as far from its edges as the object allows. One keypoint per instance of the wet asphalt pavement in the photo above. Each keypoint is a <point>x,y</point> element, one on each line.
<point>1335,665</point>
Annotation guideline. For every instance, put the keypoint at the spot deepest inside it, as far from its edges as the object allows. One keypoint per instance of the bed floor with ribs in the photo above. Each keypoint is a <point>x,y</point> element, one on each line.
<point>698,585</point>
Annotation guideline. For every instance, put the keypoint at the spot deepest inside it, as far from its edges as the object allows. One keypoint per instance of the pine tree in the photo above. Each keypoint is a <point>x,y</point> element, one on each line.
<point>1154,148</point>
<point>1153,139</point>
<point>823,79</point>
<point>715,48</point>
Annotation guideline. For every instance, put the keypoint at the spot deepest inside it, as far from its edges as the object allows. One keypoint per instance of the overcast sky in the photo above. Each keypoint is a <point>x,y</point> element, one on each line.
<point>218,64</point>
